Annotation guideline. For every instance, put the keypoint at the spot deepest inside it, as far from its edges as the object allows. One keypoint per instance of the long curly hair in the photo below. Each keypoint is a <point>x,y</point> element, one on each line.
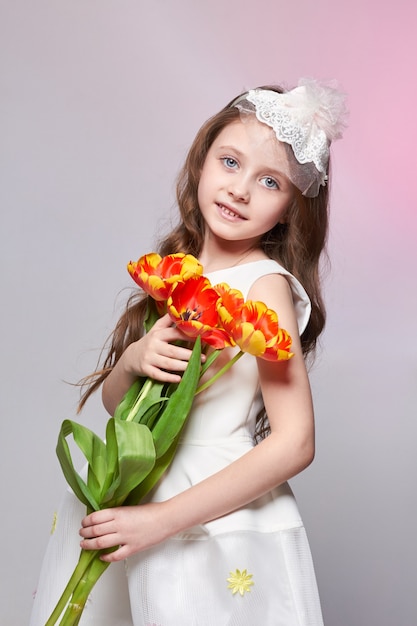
<point>297,245</point>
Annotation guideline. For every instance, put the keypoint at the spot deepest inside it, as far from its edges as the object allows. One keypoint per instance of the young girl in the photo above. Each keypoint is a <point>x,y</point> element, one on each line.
<point>220,541</point>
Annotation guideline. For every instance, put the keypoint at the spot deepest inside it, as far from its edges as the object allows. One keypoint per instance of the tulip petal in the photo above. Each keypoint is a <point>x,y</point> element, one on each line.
<point>158,275</point>
<point>252,340</point>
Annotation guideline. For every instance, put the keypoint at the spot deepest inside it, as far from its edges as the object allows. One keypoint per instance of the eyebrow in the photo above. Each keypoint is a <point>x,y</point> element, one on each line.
<point>236,150</point>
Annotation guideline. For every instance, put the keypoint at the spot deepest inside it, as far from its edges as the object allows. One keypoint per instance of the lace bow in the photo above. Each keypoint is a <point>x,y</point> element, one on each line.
<point>307,118</point>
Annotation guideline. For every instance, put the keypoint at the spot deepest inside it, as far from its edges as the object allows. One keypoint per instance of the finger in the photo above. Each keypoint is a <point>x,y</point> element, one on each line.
<point>98,517</point>
<point>118,555</point>
<point>101,543</point>
<point>167,325</point>
<point>174,358</point>
<point>163,322</point>
<point>170,364</point>
<point>163,376</point>
<point>178,352</point>
<point>97,530</point>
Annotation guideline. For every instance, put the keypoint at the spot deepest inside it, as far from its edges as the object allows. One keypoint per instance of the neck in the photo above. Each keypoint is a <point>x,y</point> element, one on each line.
<point>216,257</point>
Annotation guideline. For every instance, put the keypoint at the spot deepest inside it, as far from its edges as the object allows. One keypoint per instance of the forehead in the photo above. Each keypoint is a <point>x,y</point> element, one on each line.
<point>254,140</point>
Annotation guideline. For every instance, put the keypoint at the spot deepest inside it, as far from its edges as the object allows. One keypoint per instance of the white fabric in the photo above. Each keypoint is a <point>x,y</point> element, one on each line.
<point>108,604</point>
<point>306,118</point>
<point>183,582</point>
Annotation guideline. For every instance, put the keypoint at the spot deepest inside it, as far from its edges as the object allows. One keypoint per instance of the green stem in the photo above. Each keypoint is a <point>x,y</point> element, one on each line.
<point>82,591</point>
<point>222,371</point>
<point>209,361</point>
<point>86,557</point>
<point>143,393</point>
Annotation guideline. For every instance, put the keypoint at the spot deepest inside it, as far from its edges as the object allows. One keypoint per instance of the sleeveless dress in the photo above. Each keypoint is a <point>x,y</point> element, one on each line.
<point>250,567</point>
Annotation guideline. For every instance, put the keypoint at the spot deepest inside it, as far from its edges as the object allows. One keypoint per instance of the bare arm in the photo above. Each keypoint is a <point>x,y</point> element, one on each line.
<point>288,450</point>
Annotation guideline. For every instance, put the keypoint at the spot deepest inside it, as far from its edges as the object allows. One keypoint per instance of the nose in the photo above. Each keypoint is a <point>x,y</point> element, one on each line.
<point>238,189</point>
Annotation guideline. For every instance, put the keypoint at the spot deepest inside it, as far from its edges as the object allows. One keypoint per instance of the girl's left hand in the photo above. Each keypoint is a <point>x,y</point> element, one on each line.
<point>132,528</point>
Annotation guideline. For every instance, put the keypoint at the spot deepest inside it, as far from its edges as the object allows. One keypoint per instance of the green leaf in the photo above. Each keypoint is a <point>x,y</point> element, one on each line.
<point>173,417</point>
<point>77,484</point>
<point>150,394</point>
<point>136,458</point>
<point>161,465</point>
<point>168,430</point>
<point>94,450</point>
<point>153,400</point>
<point>151,414</point>
<point>129,399</point>
<point>112,458</point>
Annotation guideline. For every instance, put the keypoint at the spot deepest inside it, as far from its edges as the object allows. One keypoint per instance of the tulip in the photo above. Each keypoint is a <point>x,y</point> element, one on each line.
<point>253,326</point>
<point>157,276</point>
<point>192,305</point>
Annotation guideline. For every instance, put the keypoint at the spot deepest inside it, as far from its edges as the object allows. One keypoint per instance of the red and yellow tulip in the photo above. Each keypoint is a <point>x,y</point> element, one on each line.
<point>192,305</point>
<point>158,275</point>
<point>252,326</point>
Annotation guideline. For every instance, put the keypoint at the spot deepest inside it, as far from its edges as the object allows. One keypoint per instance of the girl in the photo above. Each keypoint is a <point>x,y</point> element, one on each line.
<point>220,540</point>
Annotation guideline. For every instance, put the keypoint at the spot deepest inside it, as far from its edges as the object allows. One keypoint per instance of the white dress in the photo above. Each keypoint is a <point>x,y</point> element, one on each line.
<point>248,568</point>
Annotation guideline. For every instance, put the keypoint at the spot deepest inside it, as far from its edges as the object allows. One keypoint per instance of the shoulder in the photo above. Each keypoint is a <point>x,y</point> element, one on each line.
<point>276,285</point>
<point>275,291</point>
<point>258,277</point>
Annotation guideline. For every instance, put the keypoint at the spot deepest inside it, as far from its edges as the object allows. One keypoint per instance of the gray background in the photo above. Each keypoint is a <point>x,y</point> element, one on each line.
<point>99,101</point>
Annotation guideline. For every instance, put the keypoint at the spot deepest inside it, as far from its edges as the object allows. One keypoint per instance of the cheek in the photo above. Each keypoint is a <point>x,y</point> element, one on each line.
<point>276,214</point>
<point>203,186</point>
<point>200,190</point>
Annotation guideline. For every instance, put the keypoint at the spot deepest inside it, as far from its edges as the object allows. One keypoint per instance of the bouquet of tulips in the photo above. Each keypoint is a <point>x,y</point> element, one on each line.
<point>142,437</point>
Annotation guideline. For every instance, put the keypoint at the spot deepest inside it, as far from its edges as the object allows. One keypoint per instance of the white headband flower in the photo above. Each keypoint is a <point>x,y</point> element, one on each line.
<point>308,118</point>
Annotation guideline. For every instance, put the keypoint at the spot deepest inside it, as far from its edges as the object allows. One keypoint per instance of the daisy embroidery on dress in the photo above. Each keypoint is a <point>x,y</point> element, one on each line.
<point>240,581</point>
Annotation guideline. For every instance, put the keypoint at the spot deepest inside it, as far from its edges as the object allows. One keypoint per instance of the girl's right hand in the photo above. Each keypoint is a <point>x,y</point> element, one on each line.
<point>155,355</point>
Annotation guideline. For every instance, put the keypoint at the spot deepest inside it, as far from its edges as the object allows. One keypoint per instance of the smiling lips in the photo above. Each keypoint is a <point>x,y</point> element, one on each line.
<point>229,212</point>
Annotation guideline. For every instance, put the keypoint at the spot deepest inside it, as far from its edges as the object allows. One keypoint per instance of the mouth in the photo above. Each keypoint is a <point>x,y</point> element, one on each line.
<point>229,213</point>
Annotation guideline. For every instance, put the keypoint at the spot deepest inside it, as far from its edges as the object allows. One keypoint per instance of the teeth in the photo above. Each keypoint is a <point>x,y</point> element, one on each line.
<point>228,211</point>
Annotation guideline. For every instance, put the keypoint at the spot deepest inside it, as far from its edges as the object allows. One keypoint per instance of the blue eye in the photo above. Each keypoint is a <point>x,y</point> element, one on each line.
<point>270,183</point>
<point>230,162</point>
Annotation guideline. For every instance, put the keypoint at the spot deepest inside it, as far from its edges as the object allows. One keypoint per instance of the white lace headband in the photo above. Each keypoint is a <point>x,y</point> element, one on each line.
<point>308,118</point>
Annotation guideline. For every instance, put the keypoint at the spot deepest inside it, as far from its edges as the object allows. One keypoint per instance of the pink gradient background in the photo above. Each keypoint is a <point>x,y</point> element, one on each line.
<point>99,102</point>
